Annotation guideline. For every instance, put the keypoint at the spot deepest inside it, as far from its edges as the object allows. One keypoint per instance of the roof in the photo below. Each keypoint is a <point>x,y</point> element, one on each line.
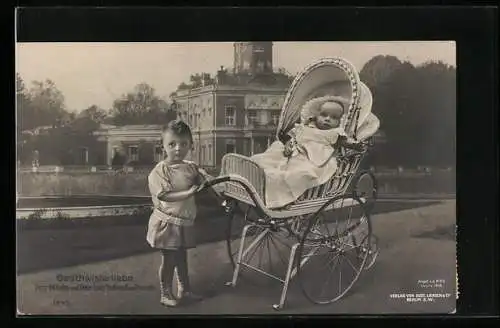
<point>138,127</point>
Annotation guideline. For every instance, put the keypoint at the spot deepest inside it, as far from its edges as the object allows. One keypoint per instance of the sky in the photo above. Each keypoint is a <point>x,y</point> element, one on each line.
<point>98,73</point>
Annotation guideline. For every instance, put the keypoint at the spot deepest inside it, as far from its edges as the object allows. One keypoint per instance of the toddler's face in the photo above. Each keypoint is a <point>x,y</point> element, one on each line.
<point>176,147</point>
<point>329,116</point>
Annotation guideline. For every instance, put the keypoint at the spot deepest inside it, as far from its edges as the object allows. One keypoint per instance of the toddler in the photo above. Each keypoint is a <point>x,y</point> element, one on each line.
<point>172,184</point>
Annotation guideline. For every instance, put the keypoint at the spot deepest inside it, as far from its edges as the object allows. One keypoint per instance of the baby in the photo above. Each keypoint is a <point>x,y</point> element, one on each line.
<point>319,128</point>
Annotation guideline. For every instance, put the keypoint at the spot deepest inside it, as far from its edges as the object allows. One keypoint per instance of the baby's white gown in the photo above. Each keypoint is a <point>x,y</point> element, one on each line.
<point>309,166</point>
<point>288,178</point>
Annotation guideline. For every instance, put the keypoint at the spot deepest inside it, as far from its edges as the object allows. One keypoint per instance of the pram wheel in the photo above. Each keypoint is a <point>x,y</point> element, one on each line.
<point>265,248</point>
<point>333,249</point>
<point>373,252</point>
<point>365,188</point>
<point>237,220</point>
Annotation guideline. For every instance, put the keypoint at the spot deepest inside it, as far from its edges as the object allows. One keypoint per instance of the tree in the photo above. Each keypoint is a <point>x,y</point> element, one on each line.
<point>396,104</point>
<point>47,103</point>
<point>94,113</point>
<point>24,111</point>
<point>141,106</point>
<point>196,80</point>
<point>416,107</point>
<point>378,69</point>
<point>42,105</point>
<point>183,86</point>
<point>437,83</point>
<point>88,121</point>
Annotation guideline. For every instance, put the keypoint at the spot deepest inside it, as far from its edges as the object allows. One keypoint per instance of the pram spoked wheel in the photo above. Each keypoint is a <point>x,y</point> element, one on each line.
<point>235,224</point>
<point>265,245</point>
<point>365,188</point>
<point>334,249</point>
<point>373,251</point>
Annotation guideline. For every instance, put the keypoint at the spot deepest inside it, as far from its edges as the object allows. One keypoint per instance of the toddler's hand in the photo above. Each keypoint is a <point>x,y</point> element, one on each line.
<point>195,188</point>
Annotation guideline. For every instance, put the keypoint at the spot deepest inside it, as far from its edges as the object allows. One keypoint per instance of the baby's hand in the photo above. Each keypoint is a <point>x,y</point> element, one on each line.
<point>287,152</point>
<point>359,146</point>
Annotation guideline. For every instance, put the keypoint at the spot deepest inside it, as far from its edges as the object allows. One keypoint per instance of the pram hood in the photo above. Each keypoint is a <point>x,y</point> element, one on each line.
<point>336,77</point>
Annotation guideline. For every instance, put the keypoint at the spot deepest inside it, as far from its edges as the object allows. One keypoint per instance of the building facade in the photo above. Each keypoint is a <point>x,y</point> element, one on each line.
<point>137,144</point>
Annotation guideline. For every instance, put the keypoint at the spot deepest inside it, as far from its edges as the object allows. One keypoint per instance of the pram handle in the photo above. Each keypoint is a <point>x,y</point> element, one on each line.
<point>212,182</point>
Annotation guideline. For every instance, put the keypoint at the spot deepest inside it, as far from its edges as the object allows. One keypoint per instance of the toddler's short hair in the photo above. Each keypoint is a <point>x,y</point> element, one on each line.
<point>179,128</point>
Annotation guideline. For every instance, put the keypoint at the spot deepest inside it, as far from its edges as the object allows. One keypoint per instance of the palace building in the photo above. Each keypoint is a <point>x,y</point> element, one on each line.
<point>239,110</point>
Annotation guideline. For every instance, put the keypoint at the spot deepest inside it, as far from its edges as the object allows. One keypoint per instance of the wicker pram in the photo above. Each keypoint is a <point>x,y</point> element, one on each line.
<point>315,220</point>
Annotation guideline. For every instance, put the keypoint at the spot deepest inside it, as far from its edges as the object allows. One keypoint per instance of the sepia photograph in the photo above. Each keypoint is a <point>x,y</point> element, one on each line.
<point>242,178</point>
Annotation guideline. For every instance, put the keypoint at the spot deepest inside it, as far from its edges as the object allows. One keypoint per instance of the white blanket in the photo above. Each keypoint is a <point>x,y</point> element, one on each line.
<point>311,164</point>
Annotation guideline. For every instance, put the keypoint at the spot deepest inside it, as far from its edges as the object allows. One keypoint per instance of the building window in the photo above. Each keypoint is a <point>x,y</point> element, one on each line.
<point>275,117</point>
<point>133,153</point>
<point>252,117</point>
<point>230,114</point>
<point>203,113</point>
<point>210,153</point>
<point>203,154</point>
<point>115,151</point>
<point>158,155</point>
<point>195,146</point>
<point>209,111</point>
<point>84,155</point>
<point>190,119</point>
<point>230,146</point>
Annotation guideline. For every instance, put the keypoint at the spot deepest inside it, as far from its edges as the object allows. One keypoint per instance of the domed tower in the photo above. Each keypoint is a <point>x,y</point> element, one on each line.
<point>253,58</point>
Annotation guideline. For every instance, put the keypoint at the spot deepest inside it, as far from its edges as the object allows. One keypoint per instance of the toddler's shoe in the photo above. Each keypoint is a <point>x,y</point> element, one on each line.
<point>167,298</point>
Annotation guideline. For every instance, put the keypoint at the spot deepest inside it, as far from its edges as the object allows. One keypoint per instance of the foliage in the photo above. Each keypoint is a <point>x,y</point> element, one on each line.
<point>416,107</point>
<point>65,132</point>
<point>41,105</point>
<point>141,106</point>
<point>196,81</point>
<point>378,69</point>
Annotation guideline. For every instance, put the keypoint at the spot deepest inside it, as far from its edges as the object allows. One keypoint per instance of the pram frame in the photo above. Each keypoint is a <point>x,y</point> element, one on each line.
<point>246,184</point>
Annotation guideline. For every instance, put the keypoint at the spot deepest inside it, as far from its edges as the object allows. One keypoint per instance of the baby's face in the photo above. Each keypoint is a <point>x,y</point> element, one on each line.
<point>329,116</point>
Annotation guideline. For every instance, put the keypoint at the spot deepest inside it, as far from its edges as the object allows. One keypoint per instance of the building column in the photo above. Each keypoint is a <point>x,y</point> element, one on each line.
<point>268,142</point>
<point>251,146</point>
<point>245,147</point>
<point>109,152</point>
<point>86,152</point>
